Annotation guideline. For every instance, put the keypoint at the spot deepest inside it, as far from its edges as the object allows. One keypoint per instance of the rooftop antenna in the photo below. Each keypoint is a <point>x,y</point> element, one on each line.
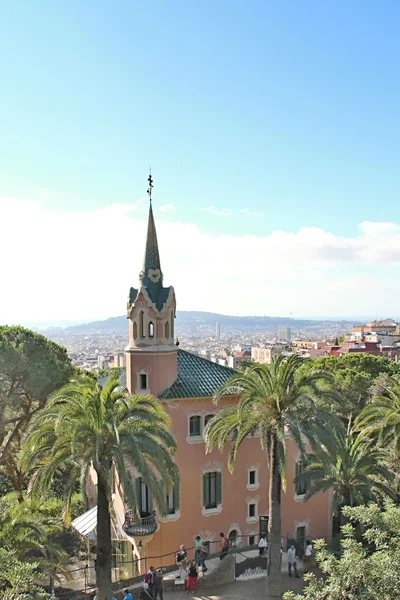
<point>150,181</point>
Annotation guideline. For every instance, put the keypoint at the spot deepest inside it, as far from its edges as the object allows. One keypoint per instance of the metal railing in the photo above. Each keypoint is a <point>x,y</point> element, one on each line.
<point>139,526</point>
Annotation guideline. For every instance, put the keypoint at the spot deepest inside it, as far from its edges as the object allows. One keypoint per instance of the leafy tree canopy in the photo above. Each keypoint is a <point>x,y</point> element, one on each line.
<point>31,368</point>
<point>366,570</point>
<point>354,374</point>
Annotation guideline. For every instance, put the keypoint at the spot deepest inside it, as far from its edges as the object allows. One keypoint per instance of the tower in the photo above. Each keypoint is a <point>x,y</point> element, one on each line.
<point>151,356</point>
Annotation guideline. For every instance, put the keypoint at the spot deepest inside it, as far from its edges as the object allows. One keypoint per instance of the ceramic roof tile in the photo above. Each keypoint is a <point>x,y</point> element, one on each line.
<point>197,377</point>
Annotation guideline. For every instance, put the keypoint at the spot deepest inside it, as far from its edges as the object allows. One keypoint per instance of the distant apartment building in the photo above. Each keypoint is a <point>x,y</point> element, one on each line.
<point>314,344</point>
<point>217,329</point>
<point>243,356</point>
<point>119,359</point>
<point>387,326</point>
<point>284,334</point>
<point>362,347</point>
<point>265,354</point>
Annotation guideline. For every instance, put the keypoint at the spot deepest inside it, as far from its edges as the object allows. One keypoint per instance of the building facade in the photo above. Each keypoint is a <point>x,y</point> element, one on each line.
<point>209,498</point>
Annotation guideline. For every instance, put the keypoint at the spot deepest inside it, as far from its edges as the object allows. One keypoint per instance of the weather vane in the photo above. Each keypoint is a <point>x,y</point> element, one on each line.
<point>150,180</point>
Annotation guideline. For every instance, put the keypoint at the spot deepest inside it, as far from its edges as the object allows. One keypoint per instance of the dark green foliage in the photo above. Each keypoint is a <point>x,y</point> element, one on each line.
<point>366,569</point>
<point>353,376</point>
<point>31,368</point>
<point>17,579</point>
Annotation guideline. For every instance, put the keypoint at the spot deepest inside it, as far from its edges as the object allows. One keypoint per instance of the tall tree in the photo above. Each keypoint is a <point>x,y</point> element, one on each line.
<point>356,472</point>
<point>87,426</point>
<point>277,399</point>
<point>31,368</point>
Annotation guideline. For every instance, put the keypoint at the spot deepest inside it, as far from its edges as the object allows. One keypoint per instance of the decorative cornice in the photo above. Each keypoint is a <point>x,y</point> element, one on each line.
<point>250,500</point>
<point>211,466</point>
<point>255,467</point>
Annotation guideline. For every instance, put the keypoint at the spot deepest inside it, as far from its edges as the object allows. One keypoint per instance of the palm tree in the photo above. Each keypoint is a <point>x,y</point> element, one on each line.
<point>28,533</point>
<point>86,426</point>
<point>355,471</point>
<point>276,399</point>
<point>380,419</point>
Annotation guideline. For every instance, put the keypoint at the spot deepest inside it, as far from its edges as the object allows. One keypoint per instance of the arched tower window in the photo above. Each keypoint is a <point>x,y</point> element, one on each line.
<point>172,325</point>
<point>151,329</point>
<point>141,323</point>
<point>134,330</point>
<point>167,329</point>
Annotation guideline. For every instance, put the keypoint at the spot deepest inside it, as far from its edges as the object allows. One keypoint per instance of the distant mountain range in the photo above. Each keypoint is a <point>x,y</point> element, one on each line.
<point>201,322</point>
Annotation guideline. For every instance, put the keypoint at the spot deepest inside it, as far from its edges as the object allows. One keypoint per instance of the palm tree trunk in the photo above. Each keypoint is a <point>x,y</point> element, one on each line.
<point>274,523</point>
<point>104,543</point>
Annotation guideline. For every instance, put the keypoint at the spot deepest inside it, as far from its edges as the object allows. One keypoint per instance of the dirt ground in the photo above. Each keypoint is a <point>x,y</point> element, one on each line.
<point>239,590</point>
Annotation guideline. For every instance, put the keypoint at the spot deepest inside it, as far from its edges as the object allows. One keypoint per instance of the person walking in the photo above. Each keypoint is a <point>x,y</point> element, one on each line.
<point>149,579</point>
<point>198,544</point>
<point>291,553</point>
<point>192,577</point>
<point>203,556</point>
<point>158,588</point>
<point>180,559</point>
<point>307,556</point>
<point>224,546</point>
<point>262,545</point>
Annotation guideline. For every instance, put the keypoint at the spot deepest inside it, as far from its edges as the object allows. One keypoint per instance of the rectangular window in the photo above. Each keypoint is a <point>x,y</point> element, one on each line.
<point>212,489</point>
<point>252,478</point>
<point>143,497</point>
<point>301,486</point>
<point>252,510</point>
<point>170,501</point>
<point>195,424</point>
<point>143,381</point>
<point>252,540</point>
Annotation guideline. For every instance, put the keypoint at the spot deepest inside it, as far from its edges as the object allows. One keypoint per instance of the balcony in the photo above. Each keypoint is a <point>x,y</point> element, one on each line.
<point>142,526</point>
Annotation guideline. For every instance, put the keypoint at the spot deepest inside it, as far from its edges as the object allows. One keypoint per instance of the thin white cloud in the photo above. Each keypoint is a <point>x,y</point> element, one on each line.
<point>227,212</point>
<point>166,209</point>
<point>65,265</point>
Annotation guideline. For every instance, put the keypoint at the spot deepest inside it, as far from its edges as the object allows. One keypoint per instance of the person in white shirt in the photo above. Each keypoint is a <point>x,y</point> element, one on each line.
<point>263,545</point>
<point>291,553</point>
<point>307,556</point>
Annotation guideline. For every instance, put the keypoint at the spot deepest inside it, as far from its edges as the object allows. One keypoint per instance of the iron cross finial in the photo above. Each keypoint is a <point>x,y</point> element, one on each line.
<point>150,180</point>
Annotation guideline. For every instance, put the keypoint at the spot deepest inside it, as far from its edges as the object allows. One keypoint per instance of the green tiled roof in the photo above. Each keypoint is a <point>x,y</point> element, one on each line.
<point>197,377</point>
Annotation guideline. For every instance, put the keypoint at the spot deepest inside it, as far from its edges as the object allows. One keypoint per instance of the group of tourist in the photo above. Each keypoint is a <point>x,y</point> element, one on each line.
<point>153,580</point>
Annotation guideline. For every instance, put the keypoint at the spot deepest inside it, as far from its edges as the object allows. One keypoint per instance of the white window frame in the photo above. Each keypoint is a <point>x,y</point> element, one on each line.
<point>256,468</point>
<point>144,371</point>
<point>211,467</point>
<point>175,515</point>
<point>198,439</point>
<point>254,501</point>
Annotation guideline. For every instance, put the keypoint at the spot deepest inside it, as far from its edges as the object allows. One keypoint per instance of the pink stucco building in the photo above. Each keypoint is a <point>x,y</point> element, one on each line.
<point>209,499</point>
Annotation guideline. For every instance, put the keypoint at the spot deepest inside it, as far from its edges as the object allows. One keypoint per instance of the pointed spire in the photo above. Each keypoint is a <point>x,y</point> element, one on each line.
<point>151,254</point>
<point>151,275</point>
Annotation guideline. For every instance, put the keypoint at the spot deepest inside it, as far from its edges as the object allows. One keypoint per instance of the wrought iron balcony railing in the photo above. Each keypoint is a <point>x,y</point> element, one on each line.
<point>139,526</point>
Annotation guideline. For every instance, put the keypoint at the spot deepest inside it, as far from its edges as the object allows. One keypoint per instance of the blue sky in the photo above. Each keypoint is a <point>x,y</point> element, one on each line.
<point>256,117</point>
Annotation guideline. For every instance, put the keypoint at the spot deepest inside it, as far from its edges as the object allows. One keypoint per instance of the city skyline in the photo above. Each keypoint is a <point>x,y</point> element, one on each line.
<point>272,132</point>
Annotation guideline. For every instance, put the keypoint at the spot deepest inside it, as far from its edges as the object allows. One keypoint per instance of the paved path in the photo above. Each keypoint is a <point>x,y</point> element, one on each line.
<point>254,589</point>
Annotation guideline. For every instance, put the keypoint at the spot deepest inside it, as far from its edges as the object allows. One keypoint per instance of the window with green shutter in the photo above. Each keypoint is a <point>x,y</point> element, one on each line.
<point>212,489</point>
<point>195,426</point>
<point>173,499</point>
<point>143,498</point>
<point>301,486</point>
